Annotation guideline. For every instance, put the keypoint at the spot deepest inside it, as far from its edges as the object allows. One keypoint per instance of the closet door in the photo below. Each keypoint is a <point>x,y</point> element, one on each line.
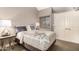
<point>72,29</point>
<point>66,26</point>
<point>69,33</point>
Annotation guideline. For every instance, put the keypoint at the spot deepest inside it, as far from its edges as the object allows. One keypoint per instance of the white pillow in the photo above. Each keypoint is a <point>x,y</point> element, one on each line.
<point>28,28</point>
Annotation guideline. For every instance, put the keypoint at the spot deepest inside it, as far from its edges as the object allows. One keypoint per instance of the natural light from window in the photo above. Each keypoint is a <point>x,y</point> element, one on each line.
<point>4,23</point>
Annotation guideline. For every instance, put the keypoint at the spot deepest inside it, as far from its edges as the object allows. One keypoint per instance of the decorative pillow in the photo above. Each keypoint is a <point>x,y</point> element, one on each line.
<point>20,28</point>
<point>30,27</point>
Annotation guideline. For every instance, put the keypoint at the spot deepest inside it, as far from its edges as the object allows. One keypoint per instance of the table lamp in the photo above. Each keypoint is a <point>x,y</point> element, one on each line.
<point>37,25</point>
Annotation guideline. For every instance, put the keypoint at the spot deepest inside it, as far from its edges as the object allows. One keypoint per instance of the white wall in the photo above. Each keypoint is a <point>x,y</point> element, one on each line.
<point>67,26</point>
<point>45,12</point>
<point>19,15</point>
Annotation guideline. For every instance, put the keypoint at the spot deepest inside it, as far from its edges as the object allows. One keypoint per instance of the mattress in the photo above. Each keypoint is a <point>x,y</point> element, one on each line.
<point>30,39</point>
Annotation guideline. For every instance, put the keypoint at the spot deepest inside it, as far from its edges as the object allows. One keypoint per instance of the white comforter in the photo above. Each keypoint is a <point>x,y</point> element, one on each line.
<point>39,39</point>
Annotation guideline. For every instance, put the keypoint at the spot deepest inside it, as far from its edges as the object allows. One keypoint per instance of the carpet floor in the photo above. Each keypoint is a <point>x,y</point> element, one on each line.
<point>58,46</point>
<point>64,46</point>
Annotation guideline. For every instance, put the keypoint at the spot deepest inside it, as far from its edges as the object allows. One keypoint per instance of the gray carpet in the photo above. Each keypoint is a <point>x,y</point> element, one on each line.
<point>64,46</point>
<point>58,46</point>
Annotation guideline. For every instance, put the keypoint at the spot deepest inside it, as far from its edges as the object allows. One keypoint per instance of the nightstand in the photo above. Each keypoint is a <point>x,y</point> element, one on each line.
<point>10,40</point>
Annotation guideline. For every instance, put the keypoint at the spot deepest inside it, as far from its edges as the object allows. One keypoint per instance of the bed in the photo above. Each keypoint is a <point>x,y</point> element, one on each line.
<point>39,39</point>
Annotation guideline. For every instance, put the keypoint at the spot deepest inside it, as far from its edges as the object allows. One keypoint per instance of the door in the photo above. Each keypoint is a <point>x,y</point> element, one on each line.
<point>66,26</point>
<point>72,28</point>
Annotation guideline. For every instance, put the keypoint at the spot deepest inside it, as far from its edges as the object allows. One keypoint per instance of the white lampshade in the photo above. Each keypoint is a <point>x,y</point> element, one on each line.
<point>5,23</point>
<point>37,24</point>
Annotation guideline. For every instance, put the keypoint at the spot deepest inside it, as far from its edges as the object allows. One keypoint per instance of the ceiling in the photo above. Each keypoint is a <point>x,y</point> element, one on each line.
<point>59,9</point>
<point>9,12</point>
<point>41,8</point>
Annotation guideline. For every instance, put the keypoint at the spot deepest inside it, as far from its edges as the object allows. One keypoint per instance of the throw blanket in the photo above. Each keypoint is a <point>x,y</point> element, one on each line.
<point>42,37</point>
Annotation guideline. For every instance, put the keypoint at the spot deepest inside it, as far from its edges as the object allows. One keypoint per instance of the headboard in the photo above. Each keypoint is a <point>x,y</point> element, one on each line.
<point>20,28</point>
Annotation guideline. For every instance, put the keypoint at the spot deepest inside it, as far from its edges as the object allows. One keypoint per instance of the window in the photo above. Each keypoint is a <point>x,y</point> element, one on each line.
<point>5,23</point>
<point>45,22</point>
